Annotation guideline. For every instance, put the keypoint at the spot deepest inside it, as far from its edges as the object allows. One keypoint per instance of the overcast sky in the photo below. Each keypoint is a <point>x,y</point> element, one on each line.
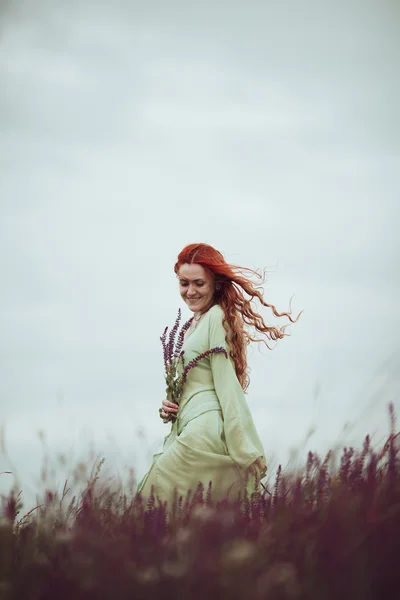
<point>130,129</point>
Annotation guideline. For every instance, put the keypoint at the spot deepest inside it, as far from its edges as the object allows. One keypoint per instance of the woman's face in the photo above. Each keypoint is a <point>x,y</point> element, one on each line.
<point>196,287</point>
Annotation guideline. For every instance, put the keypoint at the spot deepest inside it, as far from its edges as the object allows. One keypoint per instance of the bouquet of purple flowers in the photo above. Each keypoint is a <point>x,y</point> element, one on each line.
<point>173,355</point>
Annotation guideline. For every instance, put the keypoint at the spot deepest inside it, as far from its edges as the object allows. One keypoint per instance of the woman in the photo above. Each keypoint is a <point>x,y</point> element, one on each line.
<point>214,437</point>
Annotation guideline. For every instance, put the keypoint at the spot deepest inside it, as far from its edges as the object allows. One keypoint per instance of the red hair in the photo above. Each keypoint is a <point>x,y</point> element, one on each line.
<point>237,309</point>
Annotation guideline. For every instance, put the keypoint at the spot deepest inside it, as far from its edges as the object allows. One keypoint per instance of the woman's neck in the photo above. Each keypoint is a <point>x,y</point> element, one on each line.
<point>199,314</point>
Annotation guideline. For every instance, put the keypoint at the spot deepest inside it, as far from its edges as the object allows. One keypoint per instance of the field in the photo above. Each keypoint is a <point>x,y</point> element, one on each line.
<point>321,534</point>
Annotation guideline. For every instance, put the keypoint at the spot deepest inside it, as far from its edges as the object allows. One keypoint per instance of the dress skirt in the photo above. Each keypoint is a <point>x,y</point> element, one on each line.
<point>198,453</point>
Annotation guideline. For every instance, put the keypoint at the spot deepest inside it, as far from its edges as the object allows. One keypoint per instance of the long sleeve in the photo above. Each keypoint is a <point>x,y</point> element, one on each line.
<point>243,442</point>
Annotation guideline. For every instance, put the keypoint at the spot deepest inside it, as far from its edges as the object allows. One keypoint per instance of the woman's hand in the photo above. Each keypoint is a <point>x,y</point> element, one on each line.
<point>169,408</point>
<point>259,463</point>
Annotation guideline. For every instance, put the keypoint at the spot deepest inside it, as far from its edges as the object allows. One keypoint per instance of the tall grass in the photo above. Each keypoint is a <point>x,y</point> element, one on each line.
<point>324,533</point>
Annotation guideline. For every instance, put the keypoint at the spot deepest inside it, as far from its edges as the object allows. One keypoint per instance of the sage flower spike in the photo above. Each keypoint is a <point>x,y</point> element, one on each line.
<point>172,335</point>
<point>173,358</point>
<point>181,335</point>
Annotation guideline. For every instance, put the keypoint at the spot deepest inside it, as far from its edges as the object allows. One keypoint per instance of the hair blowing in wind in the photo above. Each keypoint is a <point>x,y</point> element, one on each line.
<point>234,283</point>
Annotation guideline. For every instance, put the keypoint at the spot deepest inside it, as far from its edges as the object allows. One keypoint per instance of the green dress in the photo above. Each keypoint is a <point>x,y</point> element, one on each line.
<point>214,437</point>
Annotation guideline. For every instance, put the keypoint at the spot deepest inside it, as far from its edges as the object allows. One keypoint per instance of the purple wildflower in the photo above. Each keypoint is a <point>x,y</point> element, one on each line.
<point>173,357</point>
<point>275,498</point>
<point>345,464</point>
<point>171,342</point>
<point>181,335</point>
<point>193,363</point>
<point>163,339</point>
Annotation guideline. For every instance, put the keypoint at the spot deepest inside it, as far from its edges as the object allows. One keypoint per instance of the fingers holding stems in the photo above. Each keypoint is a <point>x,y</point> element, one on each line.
<point>168,409</point>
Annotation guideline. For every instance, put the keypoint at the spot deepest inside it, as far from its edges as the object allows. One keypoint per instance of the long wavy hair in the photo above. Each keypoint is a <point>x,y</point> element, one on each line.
<point>229,294</point>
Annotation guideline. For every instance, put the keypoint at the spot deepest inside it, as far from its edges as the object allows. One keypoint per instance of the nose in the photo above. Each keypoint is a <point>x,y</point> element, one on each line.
<point>191,292</point>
